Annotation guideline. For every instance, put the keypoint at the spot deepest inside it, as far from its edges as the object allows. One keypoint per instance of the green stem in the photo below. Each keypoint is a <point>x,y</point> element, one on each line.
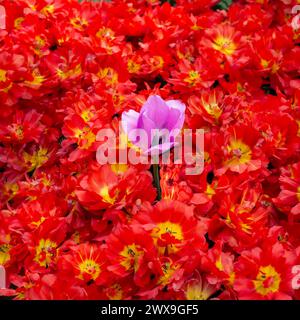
<point>157,180</point>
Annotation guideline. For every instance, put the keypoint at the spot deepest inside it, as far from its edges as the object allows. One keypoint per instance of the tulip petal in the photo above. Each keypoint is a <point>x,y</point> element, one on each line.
<point>176,114</point>
<point>176,104</point>
<point>157,110</point>
<point>129,120</point>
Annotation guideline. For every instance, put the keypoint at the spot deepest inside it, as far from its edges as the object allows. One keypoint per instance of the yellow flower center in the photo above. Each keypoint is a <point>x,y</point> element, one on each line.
<point>2,75</point>
<point>267,280</point>
<point>38,223</point>
<point>168,271</point>
<point>164,229</point>
<point>119,168</point>
<point>130,255</point>
<point>104,193</point>
<point>157,62</point>
<point>37,80</point>
<point>37,159</point>
<point>105,33</point>
<point>18,130</point>
<point>240,153</point>
<point>133,67</point>
<point>4,253</point>
<point>196,292</point>
<point>90,268</point>
<point>193,78</point>
<point>224,45</point>
<point>78,23</point>
<point>210,191</point>
<point>45,252</point>
<point>69,73</point>
<point>87,115</point>
<point>18,22</point>
<point>108,75</point>
<point>264,63</point>
<point>115,292</point>
<point>85,137</point>
<point>48,9</point>
<point>219,264</point>
<point>212,108</point>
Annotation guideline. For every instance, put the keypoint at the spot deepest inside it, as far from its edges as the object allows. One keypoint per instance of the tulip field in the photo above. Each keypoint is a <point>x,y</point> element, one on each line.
<point>150,150</point>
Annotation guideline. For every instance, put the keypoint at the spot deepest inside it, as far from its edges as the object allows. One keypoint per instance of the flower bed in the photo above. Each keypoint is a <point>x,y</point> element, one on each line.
<point>74,228</point>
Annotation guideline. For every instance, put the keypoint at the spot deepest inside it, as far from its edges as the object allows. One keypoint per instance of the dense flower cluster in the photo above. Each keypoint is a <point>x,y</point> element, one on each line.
<point>73,229</point>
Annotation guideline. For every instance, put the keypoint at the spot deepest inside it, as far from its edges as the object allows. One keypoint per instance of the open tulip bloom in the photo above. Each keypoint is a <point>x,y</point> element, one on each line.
<point>156,126</point>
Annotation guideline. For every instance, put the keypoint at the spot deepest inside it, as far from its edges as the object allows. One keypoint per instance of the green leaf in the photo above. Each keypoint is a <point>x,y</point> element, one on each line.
<point>172,2</point>
<point>223,5</point>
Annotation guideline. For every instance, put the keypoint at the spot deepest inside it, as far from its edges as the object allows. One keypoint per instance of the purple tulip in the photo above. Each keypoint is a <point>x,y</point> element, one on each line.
<point>166,116</point>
